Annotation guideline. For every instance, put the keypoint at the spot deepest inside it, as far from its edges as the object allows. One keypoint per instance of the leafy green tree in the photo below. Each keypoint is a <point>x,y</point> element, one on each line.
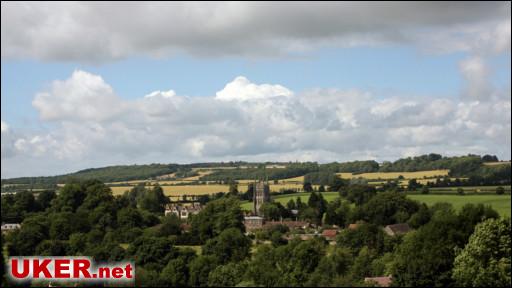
<point>489,158</point>
<point>33,230</point>
<point>307,187</point>
<point>337,184</point>
<point>277,238</point>
<point>176,272</point>
<point>200,268</point>
<point>299,203</point>
<point>366,234</point>
<point>157,251</point>
<point>217,216</point>
<point>317,202</point>
<point>270,211</point>
<point>383,265</point>
<point>70,197</point>
<point>413,185</point>
<point>331,267</point>
<point>171,225</point>
<point>421,217</point>
<point>52,248</point>
<point>106,251</point>
<point>291,205</point>
<point>45,198</point>
<point>321,188</point>
<point>62,225</point>
<point>231,245</point>
<point>359,194</point>
<point>263,267</point>
<point>77,243</point>
<point>337,213</point>
<point>25,202</point>
<point>145,277</point>
<point>129,218</point>
<point>97,194</point>
<point>389,208</point>
<point>233,189</point>
<point>286,265</point>
<point>154,200</point>
<point>425,258</point>
<point>485,261</point>
<point>228,275</point>
<point>362,266</point>
<point>472,214</point>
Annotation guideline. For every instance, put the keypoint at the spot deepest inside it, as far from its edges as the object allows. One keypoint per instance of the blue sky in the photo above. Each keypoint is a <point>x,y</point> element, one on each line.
<point>326,89</point>
<point>385,70</point>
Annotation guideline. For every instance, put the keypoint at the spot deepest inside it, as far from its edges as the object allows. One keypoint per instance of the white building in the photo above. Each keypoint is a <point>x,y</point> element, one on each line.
<point>183,210</point>
<point>8,227</point>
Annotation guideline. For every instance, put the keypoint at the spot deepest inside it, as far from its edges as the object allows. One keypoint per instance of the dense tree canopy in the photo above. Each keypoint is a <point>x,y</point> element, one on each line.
<point>486,259</point>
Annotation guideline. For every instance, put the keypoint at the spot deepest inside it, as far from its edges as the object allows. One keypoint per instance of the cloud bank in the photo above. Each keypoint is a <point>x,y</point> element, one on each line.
<point>87,124</point>
<point>106,31</point>
<point>250,121</point>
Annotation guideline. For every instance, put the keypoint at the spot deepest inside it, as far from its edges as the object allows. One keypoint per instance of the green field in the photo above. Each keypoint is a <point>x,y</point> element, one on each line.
<point>468,189</point>
<point>500,203</point>
<point>283,199</point>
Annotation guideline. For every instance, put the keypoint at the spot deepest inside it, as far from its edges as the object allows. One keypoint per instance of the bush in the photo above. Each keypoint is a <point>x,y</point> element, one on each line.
<point>500,190</point>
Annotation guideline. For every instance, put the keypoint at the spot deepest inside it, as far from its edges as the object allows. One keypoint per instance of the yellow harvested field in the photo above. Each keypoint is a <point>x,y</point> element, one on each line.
<point>212,168</point>
<point>166,176</point>
<point>395,175</point>
<point>196,178</point>
<point>294,179</point>
<point>244,181</point>
<point>345,175</point>
<point>180,190</point>
<point>497,163</point>
<point>133,182</point>
<point>206,189</point>
<point>275,166</point>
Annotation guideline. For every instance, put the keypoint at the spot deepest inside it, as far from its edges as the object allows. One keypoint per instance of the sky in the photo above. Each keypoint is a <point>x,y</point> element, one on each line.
<point>96,84</point>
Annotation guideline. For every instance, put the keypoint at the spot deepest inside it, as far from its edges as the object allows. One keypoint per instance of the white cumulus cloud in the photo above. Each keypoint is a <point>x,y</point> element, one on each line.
<point>241,89</point>
<point>317,124</point>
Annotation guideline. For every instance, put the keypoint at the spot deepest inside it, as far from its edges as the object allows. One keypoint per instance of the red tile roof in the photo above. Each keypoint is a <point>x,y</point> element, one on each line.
<point>329,233</point>
<point>290,224</point>
<point>381,281</point>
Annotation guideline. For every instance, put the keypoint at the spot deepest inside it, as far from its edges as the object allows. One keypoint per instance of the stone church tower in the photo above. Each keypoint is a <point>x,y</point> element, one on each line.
<point>261,194</point>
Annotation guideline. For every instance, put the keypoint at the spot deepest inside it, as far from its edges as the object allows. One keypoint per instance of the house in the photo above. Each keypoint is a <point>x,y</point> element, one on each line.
<point>290,224</point>
<point>379,281</point>
<point>253,222</point>
<point>302,237</point>
<point>9,227</point>
<point>397,229</point>
<point>330,234</point>
<point>183,210</point>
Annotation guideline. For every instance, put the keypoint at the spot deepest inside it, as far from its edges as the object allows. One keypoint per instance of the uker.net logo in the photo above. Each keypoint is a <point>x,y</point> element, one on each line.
<point>65,269</point>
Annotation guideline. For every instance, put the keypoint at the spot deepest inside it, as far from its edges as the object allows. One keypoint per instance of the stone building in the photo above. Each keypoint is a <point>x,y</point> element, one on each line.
<point>261,194</point>
<point>253,222</point>
<point>183,210</point>
<point>9,227</point>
